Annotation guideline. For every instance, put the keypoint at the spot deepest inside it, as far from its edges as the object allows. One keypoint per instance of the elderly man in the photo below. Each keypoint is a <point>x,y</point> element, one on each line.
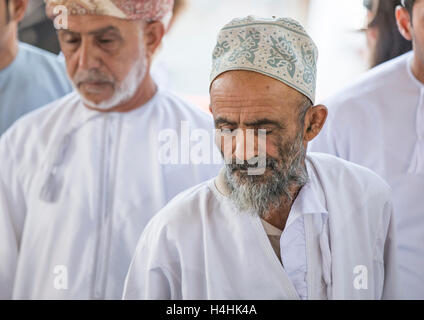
<point>310,226</point>
<point>29,77</point>
<point>81,177</point>
<point>378,122</point>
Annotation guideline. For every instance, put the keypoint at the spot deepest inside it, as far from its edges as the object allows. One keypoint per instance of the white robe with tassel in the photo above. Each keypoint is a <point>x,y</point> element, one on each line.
<point>77,188</point>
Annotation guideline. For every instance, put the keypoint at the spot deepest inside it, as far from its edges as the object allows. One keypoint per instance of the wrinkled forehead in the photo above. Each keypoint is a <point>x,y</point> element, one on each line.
<point>250,114</point>
<point>251,89</point>
<point>245,97</point>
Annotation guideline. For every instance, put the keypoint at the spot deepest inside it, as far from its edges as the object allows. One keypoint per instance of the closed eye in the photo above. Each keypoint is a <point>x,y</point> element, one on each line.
<point>105,41</point>
<point>72,41</point>
<point>228,130</point>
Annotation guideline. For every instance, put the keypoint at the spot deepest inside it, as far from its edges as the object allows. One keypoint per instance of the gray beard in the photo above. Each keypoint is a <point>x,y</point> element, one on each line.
<point>260,194</point>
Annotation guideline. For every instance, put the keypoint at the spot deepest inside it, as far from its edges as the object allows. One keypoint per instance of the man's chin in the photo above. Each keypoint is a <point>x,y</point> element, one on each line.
<point>95,88</point>
<point>94,98</point>
<point>94,101</point>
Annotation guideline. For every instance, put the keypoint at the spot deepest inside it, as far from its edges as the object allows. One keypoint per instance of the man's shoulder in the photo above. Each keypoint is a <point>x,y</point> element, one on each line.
<point>35,53</point>
<point>185,109</point>
<point>347,176</point>
<point>186,210</point>
<point>185,203</point>
<point>41,121</point>
<point>42,69</point>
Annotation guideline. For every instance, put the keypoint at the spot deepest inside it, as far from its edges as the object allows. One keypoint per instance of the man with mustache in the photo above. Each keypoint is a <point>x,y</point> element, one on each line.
<point>81,177</point>
<point>290,226</point>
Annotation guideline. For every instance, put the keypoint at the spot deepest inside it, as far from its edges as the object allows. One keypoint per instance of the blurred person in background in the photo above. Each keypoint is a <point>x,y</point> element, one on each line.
<point>81,177</point>
<point>160,68</point>
<point>383,37</point>
<point>378,122</point>
<point>37,29</point>
<point>29,77</point>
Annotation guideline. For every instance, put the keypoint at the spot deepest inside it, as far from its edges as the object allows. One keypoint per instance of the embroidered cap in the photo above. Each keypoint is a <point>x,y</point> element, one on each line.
<point>277,47</point>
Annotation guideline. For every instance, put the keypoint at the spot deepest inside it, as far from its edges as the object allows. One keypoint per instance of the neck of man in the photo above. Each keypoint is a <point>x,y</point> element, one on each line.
<point>8,47</point>
<point>418,67</point>
<point>278,216</point>
<point>144,93</point>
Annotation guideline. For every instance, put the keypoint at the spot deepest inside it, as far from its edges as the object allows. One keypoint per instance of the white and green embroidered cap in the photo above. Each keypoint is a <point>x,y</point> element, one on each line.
<point>277,47</point>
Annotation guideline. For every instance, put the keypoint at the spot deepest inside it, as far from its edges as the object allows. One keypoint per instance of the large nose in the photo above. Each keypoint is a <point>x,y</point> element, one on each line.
<point>244,146</point>
<point>88,56</point>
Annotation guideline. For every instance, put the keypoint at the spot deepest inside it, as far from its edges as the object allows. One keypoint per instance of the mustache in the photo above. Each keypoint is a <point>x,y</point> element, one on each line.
<point>92,75</point>
<point>271,163</point>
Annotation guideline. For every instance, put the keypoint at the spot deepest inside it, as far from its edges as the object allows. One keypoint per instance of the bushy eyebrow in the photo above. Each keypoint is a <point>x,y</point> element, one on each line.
<point>104,30</point>
<point>264,122</point>
<point>258,124</point>
<point>221,120</point>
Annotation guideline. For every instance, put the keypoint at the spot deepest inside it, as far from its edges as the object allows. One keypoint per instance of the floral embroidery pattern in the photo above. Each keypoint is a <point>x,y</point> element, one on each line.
<point>130,9</point>
<point>276,47</point>
<point>282,55</point>
<point>220,49</point>
<point>248,46</point>
<point>133,9</point>
<point>308,58</point>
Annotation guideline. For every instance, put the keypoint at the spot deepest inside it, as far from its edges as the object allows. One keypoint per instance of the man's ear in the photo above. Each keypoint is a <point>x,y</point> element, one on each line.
<point>314,121</point>
<point>18,9</point>
<point>153,34</point>
<point>403,20</point>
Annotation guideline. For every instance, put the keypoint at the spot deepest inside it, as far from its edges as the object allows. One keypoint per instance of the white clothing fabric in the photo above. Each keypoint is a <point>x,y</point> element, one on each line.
<point>201,247</point>
<point>77,188</point>
<point>378,122</point>
<point>292,240</point>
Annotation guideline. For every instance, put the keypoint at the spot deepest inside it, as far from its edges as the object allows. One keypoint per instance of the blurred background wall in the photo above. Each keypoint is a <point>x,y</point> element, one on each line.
<point>36,29</point>
<point>333,24</point>
<point>184,61</point>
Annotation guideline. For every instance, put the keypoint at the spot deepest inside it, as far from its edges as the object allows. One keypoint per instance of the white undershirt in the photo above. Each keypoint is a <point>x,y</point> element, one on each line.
<point>291,243</point>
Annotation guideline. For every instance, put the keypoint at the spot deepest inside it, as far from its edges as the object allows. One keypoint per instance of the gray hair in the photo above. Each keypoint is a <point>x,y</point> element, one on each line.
<point>257,194</point>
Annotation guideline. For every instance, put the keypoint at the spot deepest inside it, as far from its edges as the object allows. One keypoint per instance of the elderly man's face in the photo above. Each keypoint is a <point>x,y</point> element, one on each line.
<point>105,58</point>
<point>245,100</point>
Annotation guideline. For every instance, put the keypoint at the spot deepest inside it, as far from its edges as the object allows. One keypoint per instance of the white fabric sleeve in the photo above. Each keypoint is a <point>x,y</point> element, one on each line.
<point>12,216</point>
<point>147,279</point>
<point>391,288</point>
